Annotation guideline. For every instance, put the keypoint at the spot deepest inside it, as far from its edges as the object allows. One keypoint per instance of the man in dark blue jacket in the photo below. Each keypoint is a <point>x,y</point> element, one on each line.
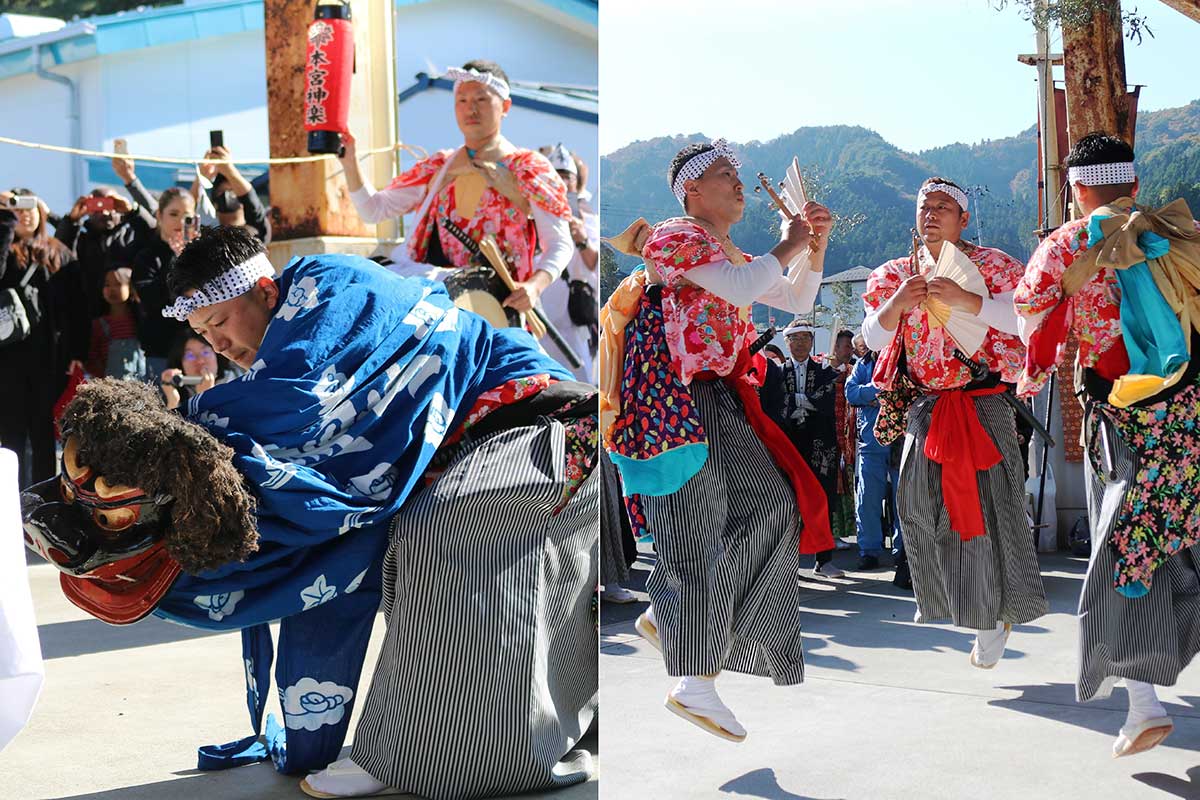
<point>874,470</point>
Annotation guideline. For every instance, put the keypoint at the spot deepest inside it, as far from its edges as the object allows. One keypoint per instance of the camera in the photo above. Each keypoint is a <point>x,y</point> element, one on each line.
<point>98,205</point>
<point>22,201</point>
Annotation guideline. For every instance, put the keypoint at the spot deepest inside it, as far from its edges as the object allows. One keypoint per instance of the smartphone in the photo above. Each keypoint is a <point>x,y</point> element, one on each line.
<point>22,201</point>
<point>98,205</point>
<point>120,146</point>
<point>216,139</point>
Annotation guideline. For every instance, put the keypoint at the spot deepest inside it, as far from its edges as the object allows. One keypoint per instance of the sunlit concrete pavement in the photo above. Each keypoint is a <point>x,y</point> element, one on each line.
<point>891,709</point>
<point>124,709</point>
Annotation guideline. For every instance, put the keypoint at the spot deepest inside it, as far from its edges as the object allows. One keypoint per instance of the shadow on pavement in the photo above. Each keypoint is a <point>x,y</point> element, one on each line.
<point>262,782</point>
<point>761,783</point>
<point>1171,784</point>
<point>1056,701</point>
<point>256,782</point>
<point>86,636</point>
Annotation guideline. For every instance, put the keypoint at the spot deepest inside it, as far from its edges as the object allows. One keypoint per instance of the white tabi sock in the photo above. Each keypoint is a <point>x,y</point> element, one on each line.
<point>1143,703</point>
<point>344,778</point>
<point>699,695</point>
<point>989,645</point>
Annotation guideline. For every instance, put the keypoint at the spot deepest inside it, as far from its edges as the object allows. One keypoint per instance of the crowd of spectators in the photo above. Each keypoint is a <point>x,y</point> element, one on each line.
<point>81,295</point>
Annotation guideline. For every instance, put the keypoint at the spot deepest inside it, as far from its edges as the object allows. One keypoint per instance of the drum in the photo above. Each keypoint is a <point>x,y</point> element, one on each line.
<point>481,291</point>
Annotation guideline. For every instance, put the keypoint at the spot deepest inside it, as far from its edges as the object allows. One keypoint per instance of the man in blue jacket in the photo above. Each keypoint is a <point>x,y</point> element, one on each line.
<point>874,470</point>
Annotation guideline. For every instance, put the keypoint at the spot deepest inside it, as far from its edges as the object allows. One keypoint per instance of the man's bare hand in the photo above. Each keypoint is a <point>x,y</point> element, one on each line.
<point>526,293</point>
<point>911,294</point>
<point>124,169</point>
<point>954,295</point>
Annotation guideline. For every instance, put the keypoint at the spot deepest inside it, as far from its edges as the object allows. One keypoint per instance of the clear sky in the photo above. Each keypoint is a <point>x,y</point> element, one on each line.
<point>921,74</point>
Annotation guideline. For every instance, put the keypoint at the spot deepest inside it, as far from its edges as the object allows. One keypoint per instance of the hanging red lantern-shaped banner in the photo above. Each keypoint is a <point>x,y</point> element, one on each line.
<point>328,70</point>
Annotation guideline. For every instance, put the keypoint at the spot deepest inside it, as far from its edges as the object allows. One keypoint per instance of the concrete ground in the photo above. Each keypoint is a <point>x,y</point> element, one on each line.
<point>123,710</point>
<point>891,709</point>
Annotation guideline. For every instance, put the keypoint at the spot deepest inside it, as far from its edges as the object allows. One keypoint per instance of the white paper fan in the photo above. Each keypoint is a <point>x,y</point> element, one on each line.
<point>793,188</point>
<point>967,330</point>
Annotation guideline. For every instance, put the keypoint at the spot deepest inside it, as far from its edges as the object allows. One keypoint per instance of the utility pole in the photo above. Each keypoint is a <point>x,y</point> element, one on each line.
<point>1050,182</point>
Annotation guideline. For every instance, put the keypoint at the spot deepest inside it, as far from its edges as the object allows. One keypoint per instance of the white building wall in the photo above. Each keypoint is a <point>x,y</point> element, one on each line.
<point>35,110</point>
<point>164,100</point>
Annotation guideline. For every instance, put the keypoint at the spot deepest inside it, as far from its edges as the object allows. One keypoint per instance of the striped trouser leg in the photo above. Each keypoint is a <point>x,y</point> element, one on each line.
<point>1150,638</point>
<point>991,578</point>
<point>613,523</point>
<point>724,587</point>
<point>487,676</point>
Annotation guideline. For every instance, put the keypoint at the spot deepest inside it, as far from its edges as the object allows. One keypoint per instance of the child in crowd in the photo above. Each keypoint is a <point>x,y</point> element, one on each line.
<point>115,350</point>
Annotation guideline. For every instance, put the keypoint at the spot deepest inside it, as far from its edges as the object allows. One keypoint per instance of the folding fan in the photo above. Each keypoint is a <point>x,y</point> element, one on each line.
<point>790,198</point>
<point>793,187</point>
<point>967,330</point>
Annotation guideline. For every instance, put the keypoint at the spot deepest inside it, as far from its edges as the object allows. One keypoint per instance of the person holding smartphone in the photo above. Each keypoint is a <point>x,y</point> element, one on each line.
<point>233,198</point>
<point>176,226</point>
<point>105,230</point>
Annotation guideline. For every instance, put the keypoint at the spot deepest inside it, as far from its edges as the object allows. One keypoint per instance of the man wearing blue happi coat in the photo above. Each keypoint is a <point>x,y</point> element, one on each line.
<point>392,448</point>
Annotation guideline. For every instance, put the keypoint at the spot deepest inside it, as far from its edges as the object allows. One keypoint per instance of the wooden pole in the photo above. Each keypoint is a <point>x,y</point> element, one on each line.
<point>312,211</point>
<point>1051,159</point>
<point>1094,70</point>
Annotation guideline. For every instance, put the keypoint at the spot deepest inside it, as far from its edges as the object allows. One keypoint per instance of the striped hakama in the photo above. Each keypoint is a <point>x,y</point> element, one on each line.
<point>488,673</point>
<point>614,523</point>
<point>988,579</point>
<point>1149,638</point>
<point>725,586</point>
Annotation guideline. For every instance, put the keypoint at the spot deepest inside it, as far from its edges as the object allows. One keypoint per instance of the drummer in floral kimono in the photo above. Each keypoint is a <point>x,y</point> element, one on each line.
<point>486,186</point>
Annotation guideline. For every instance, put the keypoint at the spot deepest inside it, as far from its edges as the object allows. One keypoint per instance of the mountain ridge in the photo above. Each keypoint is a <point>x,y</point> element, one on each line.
<point>856,172</point>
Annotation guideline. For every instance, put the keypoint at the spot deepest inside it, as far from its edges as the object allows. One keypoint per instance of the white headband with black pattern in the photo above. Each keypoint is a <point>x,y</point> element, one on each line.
<point>1102,174</point>
<point>695,166</point>
<point>493,82</point>
<point>958,194</point>
<point>233,282</point>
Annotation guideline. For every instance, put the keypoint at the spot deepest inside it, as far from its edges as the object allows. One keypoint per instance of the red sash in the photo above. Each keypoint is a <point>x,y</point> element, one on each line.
<point>958,441</point>
<point>815,536</point>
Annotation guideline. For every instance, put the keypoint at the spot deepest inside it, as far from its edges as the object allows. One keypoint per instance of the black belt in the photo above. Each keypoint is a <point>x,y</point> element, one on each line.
<point>563,401</point>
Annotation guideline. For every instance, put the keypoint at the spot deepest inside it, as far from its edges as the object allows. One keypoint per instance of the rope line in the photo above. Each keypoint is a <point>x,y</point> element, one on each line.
<point>413,150</point>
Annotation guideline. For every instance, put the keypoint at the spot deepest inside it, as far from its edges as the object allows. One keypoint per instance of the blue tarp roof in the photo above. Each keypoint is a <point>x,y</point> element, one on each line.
<point>130,30</point>
<point>133,30</point>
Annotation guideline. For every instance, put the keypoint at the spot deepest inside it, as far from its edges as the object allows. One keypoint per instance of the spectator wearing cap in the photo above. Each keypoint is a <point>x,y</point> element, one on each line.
<point>800,397</point>
<point>571,303</point>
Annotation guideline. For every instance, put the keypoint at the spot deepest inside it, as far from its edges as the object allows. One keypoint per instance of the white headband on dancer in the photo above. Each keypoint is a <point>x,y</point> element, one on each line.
<point>493,82</point>
<point>797,328</point>
<point>695,166</point>
<point>1102,174</point>
<point>233,282</point>
<point>958,194</point>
